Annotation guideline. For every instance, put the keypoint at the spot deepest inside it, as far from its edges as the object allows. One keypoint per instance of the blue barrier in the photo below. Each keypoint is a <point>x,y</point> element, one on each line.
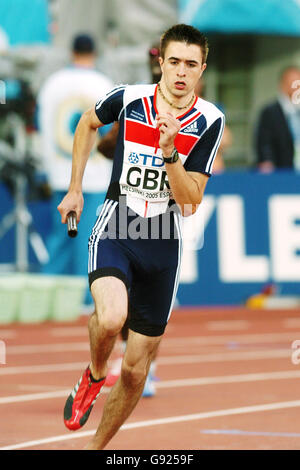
<point>25,22</point>
<point>251,238</point>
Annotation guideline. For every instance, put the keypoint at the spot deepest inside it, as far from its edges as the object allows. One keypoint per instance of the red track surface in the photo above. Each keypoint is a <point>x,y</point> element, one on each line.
<point>227,381</point>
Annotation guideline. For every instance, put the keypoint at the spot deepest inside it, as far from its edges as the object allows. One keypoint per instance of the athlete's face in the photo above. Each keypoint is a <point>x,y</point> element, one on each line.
<point>181,67</point>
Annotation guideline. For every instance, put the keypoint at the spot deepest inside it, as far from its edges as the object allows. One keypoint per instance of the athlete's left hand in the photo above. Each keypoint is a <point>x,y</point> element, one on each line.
<point>168,127</point>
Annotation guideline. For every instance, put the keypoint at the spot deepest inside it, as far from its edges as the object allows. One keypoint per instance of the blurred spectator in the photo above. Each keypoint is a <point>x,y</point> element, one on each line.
<point>277,137</point>
<point>61,102</point>
<point>226,142</point>
<point>154,63</point>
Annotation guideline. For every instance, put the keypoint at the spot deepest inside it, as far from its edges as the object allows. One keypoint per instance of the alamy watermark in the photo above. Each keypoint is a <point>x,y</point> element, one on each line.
<point>296,94</point>
<point>2,352</point>
<point>126,224</point>
<point>296,353</point>
<point>2,92</point>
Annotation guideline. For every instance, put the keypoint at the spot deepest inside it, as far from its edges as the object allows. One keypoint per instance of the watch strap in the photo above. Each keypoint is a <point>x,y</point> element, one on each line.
<point>173,157</point>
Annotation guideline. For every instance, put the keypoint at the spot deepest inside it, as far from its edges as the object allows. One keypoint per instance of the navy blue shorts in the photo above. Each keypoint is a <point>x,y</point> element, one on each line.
<point>145,253</point>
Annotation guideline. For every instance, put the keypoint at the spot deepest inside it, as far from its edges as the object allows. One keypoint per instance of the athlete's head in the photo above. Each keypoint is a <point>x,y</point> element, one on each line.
<point>186,34</point>
<point>182,59</point>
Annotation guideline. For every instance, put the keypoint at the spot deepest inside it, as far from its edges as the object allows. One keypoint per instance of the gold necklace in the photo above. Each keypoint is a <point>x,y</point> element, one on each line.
<point>173,105</point>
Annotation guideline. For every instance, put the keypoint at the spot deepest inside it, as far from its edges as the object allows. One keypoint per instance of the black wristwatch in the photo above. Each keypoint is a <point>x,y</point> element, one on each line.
<point>173,157</point>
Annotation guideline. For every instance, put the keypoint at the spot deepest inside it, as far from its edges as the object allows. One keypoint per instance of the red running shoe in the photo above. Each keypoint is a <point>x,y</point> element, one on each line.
<point>81,400</point>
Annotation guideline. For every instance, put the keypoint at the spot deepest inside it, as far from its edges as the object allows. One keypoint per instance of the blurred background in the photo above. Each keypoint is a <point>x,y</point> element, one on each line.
<point>251,211</point>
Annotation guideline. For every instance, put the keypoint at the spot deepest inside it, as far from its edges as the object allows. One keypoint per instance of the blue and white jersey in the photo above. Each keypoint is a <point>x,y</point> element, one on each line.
<point>138,170</point>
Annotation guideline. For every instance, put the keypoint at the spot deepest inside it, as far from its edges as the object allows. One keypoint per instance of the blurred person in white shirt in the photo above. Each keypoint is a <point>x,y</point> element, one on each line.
<point>63,98</point>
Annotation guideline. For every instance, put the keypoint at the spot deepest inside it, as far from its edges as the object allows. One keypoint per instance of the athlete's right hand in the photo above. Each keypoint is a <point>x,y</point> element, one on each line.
<point>73,201</point>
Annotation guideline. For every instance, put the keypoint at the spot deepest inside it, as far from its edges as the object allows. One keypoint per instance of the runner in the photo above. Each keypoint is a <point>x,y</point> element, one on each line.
<point>167,143</point>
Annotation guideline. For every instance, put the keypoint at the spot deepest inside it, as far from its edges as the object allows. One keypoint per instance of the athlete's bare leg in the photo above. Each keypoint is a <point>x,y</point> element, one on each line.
<point>128,389</point>
<point>111,303</point>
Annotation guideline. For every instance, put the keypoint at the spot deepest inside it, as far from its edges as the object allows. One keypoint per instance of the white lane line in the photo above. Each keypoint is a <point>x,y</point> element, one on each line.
<point>226,379</point>
<point>69,331</point>
<point>291,323</point>
<point>263,338</point>
<point>228,325</point>
<point>198,381</point>
<point>43,368</point>
<point>7,334</point>
<point>47,348</point>
<point>162,361</point>
<point>198,340</point>
<point>37,388</point>
<point>215,339</point>
<point>224,357</point>
<point>162,421</point>
<point>35,396</point>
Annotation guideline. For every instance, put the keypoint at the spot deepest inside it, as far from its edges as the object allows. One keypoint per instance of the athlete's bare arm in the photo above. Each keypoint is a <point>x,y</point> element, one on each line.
<point>187,187</point>
<point>84,140</point>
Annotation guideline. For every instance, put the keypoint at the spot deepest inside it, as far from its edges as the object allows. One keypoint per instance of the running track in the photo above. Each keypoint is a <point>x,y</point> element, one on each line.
<point>227,381</point>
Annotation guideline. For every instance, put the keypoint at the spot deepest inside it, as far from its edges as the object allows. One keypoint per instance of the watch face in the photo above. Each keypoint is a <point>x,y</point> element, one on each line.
<point>173,157</point>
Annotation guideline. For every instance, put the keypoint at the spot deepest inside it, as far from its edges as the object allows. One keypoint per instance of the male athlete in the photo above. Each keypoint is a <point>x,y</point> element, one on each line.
<point>166,147</point>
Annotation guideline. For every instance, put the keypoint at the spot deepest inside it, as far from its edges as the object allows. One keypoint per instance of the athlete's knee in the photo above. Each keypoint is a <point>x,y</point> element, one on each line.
<point>133,375</point>
<point>111,321</point>
<point>112,327</point>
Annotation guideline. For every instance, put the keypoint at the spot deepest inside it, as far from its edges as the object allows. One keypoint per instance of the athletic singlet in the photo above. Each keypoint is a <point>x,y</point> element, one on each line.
<point>138,169</point>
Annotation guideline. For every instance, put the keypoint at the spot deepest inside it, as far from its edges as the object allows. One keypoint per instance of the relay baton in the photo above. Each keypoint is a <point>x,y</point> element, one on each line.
<point>72,224</point>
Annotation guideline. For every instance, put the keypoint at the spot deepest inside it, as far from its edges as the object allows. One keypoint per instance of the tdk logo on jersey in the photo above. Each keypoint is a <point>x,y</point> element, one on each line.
<point>146,173</point>
<point>133,158</point>
<point>191,128</point>
<point>144,159</point>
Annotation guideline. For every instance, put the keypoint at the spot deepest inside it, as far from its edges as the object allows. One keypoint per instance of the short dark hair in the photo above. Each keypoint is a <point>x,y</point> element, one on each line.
<point>184,33</point>
<point>83,44</point>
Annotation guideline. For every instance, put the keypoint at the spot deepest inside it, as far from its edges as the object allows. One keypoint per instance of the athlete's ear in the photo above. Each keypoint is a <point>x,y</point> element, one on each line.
<point>203,68</point>
<point>161,61</point>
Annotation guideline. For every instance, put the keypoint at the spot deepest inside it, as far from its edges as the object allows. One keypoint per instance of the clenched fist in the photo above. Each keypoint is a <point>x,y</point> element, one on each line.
<point>168,127</point>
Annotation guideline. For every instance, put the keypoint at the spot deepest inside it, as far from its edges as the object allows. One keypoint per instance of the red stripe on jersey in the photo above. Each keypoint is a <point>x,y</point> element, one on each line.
<point>140,133</point>
<point>190,120</point>
<point>157,137</point>
<point>147,109</point>
<point>146,207</point>
<point>185,143</point>
<point>155,99</point>
<point>186,112</point>
<point>145,135</point>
